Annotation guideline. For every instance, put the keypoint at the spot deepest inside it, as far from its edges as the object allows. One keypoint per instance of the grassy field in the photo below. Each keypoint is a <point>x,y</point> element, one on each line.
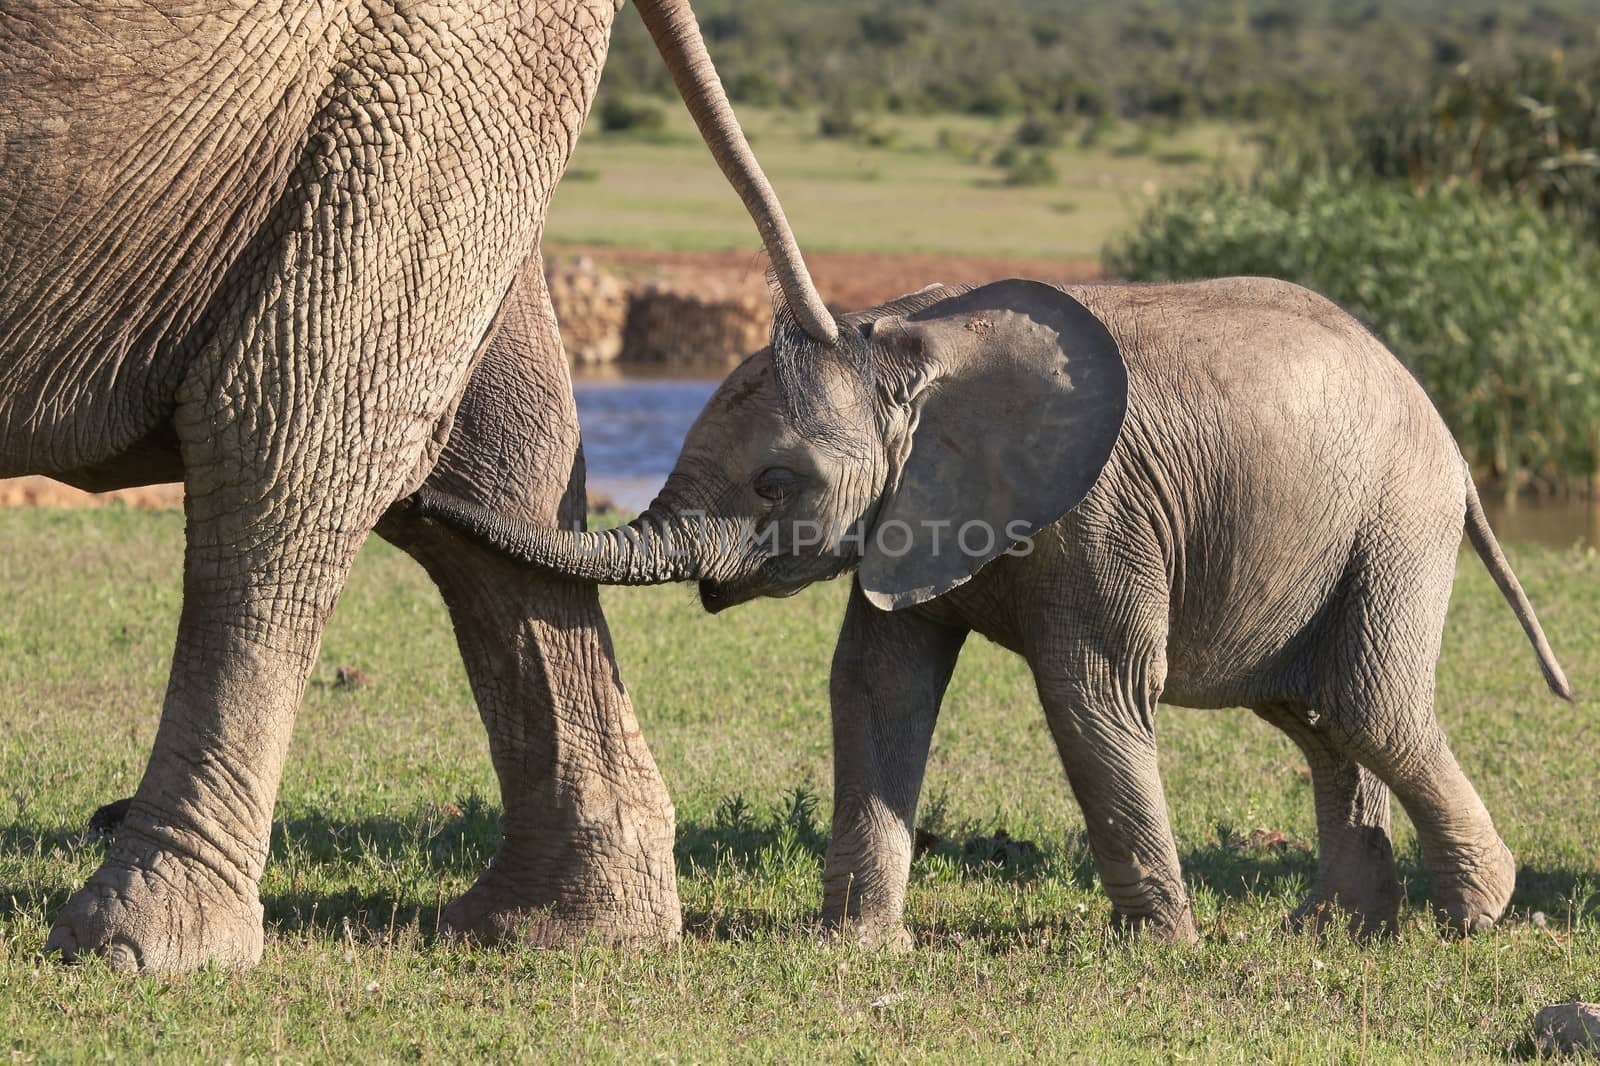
<point>388,807</point>
<point>913,194</point>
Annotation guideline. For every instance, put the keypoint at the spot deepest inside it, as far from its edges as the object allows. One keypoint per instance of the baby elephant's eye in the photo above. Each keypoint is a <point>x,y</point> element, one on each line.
<point>776,482</point>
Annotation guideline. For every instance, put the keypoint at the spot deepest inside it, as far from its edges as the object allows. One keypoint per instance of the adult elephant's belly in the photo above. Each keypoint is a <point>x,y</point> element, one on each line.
<point>168,183</point>
<point>139,153</point>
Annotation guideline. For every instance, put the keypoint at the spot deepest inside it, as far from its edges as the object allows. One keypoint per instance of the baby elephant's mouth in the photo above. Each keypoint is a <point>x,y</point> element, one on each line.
<point>715,596</point>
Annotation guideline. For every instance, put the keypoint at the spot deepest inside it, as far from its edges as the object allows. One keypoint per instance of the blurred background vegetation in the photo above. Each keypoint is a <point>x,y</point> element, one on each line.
<point>1459,220</point>
<point>1432,165</point>
<point>1240,59</point>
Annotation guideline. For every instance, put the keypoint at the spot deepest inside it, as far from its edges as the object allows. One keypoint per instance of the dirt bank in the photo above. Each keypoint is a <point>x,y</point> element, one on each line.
<point>44,492</point>
<point>847,280</point>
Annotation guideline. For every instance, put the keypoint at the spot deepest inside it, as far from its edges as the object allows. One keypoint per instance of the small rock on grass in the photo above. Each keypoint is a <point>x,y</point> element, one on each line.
<point>1568,1027</point>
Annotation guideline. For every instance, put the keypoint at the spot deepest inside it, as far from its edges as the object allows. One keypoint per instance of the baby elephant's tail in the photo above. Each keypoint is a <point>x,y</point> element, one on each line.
<point>1488,549</point>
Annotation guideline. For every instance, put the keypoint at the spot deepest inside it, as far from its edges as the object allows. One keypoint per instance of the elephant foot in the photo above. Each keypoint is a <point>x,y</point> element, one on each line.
<point>1167,927</point>
<point>1472,895</point>
<point>161,915</point>
<point>1358,891</point>
<point>1364,916</point>
<point>495,911</point>
<point>889,936</point>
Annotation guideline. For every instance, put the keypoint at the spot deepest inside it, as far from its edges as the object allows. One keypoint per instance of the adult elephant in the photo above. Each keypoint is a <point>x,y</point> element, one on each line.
<point>264,249</point>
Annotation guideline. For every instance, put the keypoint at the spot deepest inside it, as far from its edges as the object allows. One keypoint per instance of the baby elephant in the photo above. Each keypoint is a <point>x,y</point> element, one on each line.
<point>1224,493</point>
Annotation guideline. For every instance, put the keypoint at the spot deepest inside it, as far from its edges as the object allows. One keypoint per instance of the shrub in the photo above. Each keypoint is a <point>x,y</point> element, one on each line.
<point>1097,130</point>
<point>961,145</point>
<point>1491,303</point>
<point>620,114</point>
<point>997,95</point>
<point>1032,168</point>
<point>838,123</point>
<point>1176,58</point>
<point>842,122</point>
<point>1038,131</point>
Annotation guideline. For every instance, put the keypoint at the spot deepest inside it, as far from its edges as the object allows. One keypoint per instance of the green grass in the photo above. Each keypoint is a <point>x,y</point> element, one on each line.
<point>388,807</point>
<point>664,191</point>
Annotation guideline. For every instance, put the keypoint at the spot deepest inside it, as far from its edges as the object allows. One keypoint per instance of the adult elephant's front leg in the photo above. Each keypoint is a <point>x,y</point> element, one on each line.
<point>588,827</point>
<point>298,427</point>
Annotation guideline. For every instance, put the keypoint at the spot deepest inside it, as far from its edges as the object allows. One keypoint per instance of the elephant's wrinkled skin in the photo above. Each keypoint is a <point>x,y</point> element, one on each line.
<point>1237,497</point>
<point>263,248</point>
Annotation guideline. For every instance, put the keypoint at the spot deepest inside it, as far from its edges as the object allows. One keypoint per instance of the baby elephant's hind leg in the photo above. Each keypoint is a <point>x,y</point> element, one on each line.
<point>1378,693</point>
<point>1355,857</point>
<point>1471,871</point>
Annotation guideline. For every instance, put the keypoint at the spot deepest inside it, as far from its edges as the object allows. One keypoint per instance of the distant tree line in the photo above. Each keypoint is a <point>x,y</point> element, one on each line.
<point>1245,59</point>
<point>1531,131</point>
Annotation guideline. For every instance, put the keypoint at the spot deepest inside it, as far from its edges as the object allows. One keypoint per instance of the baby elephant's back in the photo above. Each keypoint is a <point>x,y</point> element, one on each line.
<point>1271,444</point>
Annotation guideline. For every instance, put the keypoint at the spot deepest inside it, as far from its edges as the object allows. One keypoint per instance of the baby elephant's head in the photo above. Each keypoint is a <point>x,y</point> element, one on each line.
<point>938,432</point>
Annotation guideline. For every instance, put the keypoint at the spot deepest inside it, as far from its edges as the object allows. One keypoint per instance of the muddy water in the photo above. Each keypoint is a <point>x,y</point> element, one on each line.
<point>1557,523</point>
<point>634,426</point>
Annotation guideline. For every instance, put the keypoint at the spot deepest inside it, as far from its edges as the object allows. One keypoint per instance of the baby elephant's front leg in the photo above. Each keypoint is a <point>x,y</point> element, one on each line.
<point>1102,718</point>
<point>889,675</point>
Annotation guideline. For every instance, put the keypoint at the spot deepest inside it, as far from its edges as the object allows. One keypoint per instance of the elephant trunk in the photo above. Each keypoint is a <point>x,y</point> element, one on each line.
<point>677,36</point>
<point>652,549</point>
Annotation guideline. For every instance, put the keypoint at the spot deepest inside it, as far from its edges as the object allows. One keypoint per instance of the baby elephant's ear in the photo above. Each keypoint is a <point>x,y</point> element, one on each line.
<point>1018,399</point>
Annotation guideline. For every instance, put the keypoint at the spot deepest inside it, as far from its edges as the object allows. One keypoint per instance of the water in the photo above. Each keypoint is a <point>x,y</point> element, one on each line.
<point>634,426</point>
<point>632,430</point>
<point>1555,523</point>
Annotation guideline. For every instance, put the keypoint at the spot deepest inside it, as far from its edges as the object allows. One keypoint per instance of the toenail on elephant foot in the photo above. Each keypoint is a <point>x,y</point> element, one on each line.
<point>174,922</point>
<point>1477,893</point>
<point>491,914</point>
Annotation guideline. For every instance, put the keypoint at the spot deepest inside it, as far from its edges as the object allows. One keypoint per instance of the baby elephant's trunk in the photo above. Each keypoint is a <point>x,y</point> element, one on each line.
<point>650,550</point>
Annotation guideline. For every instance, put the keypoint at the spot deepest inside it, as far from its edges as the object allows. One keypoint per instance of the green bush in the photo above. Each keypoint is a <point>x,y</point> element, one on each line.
<point>961,145</point>
<point>621,114</point>
<point>1039,131</point>
<point>1248,59</point>
<point>840,121</point>
<point>1025,168</point>
<point>1491,303</point>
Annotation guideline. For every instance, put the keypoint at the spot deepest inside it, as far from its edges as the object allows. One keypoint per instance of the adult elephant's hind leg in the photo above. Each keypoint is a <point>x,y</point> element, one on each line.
<point>1355,857</point>
<point>588,825</point>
